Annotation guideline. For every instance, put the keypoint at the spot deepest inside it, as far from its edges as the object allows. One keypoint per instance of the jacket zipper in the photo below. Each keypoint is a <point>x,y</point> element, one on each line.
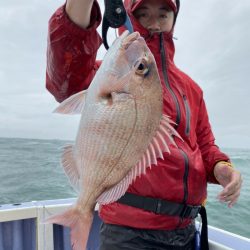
<point>185,177</point>
<point>178,118</point>
<point>187,129</point>
<point>166,80</point>
<point>185,183</point>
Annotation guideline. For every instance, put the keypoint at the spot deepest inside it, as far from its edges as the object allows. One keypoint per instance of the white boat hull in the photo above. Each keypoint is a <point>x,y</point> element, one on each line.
<point>25,222</point>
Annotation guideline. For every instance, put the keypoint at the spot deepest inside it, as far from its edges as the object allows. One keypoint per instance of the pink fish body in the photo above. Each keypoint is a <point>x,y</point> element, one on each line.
<point>122,132</point>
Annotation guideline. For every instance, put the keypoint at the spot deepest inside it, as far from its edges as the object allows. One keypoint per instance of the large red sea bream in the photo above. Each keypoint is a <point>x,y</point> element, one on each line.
<point>122,132</point>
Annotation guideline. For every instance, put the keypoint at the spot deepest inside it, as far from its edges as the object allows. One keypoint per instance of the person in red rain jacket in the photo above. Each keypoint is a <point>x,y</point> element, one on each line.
<point>182,177</point>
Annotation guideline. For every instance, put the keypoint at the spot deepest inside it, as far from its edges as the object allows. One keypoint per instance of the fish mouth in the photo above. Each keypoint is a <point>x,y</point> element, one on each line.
<point>136,51</point>
<point>128,39</point>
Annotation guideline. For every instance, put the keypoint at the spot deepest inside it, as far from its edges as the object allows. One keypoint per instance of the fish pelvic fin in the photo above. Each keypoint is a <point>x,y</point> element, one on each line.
<point>79,223</point>
<point>72,105</point>
<point>70,167</point>
<point>159,144</point>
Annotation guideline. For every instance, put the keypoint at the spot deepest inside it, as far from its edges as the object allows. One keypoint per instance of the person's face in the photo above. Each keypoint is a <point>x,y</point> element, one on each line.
<point>155,16</point>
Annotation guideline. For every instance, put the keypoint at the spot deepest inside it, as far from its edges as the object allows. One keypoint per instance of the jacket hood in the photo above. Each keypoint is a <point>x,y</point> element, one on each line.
<point>132,5</point>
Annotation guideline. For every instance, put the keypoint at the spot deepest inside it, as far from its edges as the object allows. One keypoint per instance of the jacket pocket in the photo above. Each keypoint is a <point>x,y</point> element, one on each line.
<point>188,116</point>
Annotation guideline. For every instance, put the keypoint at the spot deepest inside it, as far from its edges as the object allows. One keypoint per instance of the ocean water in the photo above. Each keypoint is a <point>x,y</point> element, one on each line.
<point>30,171</point>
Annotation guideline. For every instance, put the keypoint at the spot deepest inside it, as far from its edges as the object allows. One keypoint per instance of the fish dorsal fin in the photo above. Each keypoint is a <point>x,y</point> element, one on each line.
<point>70,168</point>
<point>158,145</point>
<point>72,105</point>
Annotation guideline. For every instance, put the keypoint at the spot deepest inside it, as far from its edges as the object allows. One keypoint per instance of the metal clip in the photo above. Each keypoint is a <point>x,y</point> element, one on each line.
<point>115,16</point>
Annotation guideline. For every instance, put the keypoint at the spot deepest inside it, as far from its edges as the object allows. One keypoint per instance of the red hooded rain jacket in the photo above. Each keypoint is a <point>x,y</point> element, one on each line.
<point>183,175</point>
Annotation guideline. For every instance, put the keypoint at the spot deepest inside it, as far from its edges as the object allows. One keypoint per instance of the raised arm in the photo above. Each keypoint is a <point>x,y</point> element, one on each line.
<point>79,11</point>
<point>73,42</point>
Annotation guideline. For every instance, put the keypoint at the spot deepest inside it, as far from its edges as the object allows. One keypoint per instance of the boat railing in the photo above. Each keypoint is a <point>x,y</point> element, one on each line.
<point>22,227</point>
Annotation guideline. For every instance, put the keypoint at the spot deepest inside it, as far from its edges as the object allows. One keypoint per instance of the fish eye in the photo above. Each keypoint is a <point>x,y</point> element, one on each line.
<point>142,67</point>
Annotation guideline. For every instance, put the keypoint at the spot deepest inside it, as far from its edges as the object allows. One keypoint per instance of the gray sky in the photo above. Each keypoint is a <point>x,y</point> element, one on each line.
<point>212,47</point>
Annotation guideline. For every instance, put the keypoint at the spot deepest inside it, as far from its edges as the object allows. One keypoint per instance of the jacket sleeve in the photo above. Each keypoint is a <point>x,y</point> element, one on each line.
<point>71,53</point>
<point>211,153</point>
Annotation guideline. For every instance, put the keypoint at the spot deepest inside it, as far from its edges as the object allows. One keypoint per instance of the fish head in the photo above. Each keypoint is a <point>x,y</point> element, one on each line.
<point>128,70</point>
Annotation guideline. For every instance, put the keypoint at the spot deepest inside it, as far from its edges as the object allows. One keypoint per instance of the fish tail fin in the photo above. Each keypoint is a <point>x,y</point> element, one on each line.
<point>80,224</point>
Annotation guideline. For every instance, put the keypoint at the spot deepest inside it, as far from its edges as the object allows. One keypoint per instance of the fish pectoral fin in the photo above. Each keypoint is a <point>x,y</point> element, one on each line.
<point>70,167</point>
<point>72,105</point>
<point>114,84</point>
